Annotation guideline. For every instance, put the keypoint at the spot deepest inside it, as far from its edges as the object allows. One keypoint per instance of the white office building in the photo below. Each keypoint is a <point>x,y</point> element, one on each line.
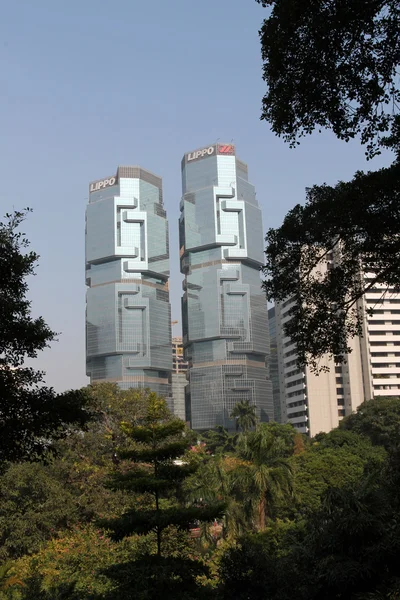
<point>315,403</point>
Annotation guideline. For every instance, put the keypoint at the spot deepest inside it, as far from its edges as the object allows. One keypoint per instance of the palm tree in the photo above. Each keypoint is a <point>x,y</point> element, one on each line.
<point>266,474</point>
<point>215,481</point>
<point>245,415</point>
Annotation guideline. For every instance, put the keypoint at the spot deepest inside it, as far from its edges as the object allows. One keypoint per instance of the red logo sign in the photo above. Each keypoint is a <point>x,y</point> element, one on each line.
<point>226,149</point>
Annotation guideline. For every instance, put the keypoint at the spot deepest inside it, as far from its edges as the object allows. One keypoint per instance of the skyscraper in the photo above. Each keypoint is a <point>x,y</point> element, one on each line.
<point>179,370</point>
<point>128,314</point>
<point>224,312</point>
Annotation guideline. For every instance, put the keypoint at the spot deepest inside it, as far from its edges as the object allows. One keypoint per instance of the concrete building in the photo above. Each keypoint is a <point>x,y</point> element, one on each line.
<point>225,327</point>
<point>315,403</point>
<point>382,341</point>
<point>179,381</point>
<point>128,314</point>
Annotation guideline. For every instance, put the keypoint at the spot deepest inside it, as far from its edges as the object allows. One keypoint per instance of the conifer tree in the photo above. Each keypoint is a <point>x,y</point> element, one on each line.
<point>157,468</point>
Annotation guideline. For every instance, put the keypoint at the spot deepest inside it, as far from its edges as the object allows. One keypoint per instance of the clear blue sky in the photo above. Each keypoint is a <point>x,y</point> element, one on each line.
<point>90,84</point>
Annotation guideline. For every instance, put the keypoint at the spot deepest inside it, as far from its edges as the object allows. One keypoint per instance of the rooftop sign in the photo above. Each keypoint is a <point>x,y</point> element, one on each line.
<point>101,184</point>
<point>221,149</point>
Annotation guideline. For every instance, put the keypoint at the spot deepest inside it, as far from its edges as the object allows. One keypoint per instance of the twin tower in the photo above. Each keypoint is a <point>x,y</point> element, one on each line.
<point>224,313</point>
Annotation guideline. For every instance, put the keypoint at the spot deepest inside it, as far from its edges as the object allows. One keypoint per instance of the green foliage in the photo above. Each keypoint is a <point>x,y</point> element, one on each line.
<point>215,481</point>
<point>158,577</point>
<point>8,579</point>
<point>317,516</point>
<point>328,464</point>
<point>378,419</point>
<point>32,415</point>
<point>338,227</point>
<point>155,445</point>
<point>116,405</point>
<point>266,474</point>
<point>245,415</point>
<point>254,483</point>
<point>39,500</point>
<point>332,65</point>
<point>258,566</point>
<point>218,440</point>
<point>34,505</point>
<point>156,442</point>
<point>347,548</point>
<point>86,563</point>
<point>71,565</point>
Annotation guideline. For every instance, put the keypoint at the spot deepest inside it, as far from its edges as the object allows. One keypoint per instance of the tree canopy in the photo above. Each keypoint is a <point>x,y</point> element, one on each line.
<point>334,65</point>
<point>317,254</point>
<point>378,420</point>
<point>319,516</point>
<point>245,415</point>
<point>31,414</point>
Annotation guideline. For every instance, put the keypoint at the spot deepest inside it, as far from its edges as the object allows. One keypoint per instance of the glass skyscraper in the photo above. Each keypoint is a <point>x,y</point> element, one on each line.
<point>224,311</point>
<point>128,314</point>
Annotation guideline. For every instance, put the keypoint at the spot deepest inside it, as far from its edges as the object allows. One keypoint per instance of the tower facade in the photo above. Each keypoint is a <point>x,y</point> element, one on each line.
<point>128,314</point>
<point>179,370</point>
<point>224,312</point>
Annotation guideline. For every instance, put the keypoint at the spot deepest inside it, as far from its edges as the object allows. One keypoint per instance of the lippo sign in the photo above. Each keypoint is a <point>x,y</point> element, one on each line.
<point>95,186</point>
<point>227,149</point>
<point>202,153</point>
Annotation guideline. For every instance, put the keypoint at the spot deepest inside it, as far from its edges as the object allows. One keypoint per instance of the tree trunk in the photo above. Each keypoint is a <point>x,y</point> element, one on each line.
<point>261,513</point>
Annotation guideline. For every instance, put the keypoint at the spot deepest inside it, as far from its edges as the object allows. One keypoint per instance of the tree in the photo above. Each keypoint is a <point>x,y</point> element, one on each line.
<point>260,566</point>
<point>84,460</point>
<point>157,441</point>
<point>353,541</point>
<point>348,548</point>
<point>43,500</point>
<point>333,461</point>
<point>69,566</point>
<point>334,65</point>
<point>266,474</point>
<point>31,414</point>
<point>218,440</point>
<point>34,505</point>
<point>378,420</point>
<point>245,415</point>
<point>216,481</point>
<point>318,254</point>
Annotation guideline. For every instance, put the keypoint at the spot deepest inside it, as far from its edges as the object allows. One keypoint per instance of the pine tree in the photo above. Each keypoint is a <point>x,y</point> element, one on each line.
<point>156,445</point>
